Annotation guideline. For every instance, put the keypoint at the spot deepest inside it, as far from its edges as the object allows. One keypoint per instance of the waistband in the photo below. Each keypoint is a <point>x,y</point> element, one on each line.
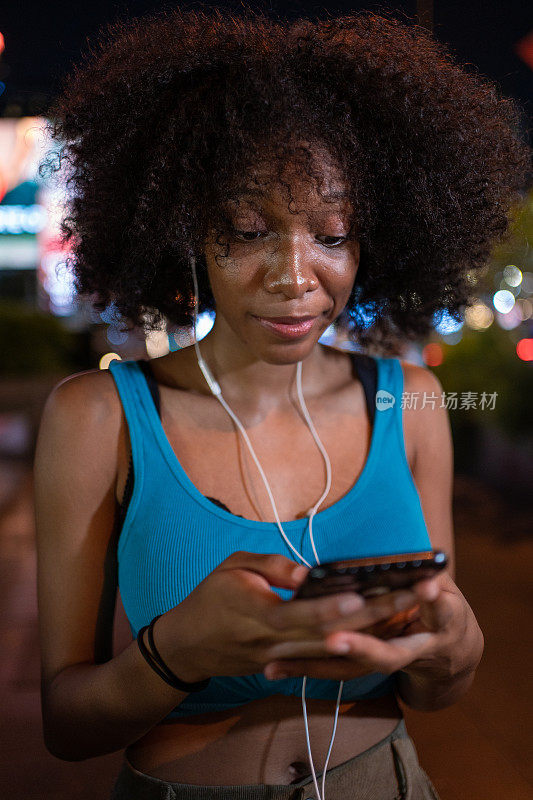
<point>383,763</point>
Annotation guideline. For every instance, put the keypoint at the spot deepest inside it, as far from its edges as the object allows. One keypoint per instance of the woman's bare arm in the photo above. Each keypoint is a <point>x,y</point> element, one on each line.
<point>88,709</point>
<point>429,427</point>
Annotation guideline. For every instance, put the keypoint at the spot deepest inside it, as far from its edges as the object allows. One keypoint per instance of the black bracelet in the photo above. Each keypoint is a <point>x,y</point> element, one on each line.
<point>197,686</point>
<point>158,665</point>
<point>148,657</point>
<point>154,652</point>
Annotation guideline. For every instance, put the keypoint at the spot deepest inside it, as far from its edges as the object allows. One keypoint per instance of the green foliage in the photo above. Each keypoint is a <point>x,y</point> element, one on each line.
<point>486,361</point>
<point>34,343</point>
<point>515,248</point>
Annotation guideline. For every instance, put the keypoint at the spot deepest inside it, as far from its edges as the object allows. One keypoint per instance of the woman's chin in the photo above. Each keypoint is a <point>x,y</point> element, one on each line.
<point>286,353</point>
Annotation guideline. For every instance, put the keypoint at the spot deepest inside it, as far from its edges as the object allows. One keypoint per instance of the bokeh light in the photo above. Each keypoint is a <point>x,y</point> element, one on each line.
<point>524,349</point>
<point>527,282</point>
<point>511,320</point>
<point>453,338</point>
<point>329,336</point>
<point>445,323</point>
<point>512,275</point>
<point>106,360</point>
<point>479,316</point>
<point>503,301</point>
<point>58,282</point>
<point>157,344</point>
<point>110,314</point>
<point>116,336</point>
<point>432,354</point>
<point>183,337</point>
<point>515,290</point>
<point>204,323</point>
<point>526,308</point>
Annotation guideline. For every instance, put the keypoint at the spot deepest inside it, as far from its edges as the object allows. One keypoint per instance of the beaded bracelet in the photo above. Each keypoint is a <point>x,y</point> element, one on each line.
<point>158,665</point>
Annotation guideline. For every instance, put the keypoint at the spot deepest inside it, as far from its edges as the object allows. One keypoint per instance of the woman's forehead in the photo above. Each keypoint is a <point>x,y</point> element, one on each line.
<point>330,196</point>
<point>306,171</point>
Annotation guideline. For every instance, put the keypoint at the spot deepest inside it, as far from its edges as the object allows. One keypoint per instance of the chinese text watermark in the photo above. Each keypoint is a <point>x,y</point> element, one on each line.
<point>454,401</point>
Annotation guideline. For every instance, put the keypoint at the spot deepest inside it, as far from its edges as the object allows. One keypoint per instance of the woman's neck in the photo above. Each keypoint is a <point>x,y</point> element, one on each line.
<point>264,386</point>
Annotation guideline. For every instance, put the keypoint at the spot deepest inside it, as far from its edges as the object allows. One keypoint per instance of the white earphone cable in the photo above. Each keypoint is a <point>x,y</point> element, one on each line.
<point>217,392</point>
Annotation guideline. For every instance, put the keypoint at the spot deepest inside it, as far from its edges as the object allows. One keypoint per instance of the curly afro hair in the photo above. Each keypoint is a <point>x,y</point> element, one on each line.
<point>170,115</point>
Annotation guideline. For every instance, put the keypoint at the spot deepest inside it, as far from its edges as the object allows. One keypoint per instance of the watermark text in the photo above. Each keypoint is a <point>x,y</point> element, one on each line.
<point>453,401</point>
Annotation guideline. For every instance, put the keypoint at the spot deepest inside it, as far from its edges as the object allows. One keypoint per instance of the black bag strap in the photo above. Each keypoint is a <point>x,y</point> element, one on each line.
<point>367,371</point>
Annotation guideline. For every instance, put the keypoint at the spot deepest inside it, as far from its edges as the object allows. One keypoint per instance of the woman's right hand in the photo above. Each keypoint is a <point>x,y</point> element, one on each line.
<point>232,622</point>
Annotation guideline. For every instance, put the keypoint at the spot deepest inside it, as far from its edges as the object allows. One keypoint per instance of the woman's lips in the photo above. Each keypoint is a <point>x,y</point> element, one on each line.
<point>288,330</point>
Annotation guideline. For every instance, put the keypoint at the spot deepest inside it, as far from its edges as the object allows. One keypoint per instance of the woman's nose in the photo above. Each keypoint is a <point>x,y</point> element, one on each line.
<point>291,271</point>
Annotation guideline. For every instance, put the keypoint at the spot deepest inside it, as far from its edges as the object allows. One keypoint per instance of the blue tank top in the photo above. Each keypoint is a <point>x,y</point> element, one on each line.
<point>173,536</point>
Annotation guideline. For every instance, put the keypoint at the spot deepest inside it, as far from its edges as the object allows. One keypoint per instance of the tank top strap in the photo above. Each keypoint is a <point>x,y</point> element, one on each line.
<point>389,407</point>
<point>138,406</point>
<point>394,377</point>
<point>389,397</point>
<point>397,388</point>
<point>135,398</point>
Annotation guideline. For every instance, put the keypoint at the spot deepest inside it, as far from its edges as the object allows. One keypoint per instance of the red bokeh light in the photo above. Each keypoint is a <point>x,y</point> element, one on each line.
<point>433,354</point>
<point>524,349</point>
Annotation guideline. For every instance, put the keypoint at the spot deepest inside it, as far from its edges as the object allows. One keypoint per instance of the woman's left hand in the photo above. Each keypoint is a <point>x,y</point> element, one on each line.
<point>445,641</point>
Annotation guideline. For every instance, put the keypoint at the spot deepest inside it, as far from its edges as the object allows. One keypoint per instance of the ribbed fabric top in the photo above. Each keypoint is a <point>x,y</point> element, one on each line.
<point>172,536</point>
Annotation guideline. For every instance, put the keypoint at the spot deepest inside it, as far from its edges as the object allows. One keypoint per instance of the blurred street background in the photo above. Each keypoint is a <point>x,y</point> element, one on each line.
<point>479,749</point>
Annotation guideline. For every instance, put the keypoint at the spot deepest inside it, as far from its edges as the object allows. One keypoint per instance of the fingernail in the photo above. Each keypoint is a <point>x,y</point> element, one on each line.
<point>429,592</point>
<point>350,603</point>
<point>340,647</point>
<point>299,572</point>
<point>275,675</point>
<point>273,671</point>
<point>432,592</point>
<point>403,601</point>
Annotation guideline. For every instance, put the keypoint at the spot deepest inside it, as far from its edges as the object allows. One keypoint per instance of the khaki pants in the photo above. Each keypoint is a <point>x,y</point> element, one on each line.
<point>389,770</point>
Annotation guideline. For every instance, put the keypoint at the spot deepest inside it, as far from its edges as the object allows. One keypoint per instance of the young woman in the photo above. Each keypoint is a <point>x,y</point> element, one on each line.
<point>310,172</point>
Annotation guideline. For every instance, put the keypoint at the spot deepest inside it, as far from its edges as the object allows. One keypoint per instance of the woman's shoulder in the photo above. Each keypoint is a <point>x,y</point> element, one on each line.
<point>80,423</point>
<point>91,389</point>
<point>178,370</point>
<point>417,378</point>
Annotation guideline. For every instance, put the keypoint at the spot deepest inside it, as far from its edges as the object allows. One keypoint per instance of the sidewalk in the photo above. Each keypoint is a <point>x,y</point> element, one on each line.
<point>479,749</point>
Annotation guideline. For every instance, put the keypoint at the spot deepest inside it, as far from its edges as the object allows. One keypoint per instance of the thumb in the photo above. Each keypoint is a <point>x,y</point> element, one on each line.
<point>277,570</point>
<point>436,604</point>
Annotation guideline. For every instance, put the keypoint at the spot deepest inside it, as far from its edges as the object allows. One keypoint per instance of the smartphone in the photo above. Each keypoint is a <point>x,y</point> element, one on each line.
<point>374,576</point>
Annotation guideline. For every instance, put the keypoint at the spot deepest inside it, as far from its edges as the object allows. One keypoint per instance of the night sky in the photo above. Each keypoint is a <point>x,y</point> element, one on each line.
<point>42,40</point>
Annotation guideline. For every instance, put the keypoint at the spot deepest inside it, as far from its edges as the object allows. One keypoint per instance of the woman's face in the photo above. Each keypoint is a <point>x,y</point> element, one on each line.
<point>283,264</point>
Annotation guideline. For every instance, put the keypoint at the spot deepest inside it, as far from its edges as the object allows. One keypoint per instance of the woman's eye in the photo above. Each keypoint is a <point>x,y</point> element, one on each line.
<point>252,234</point>
<point>337,240</point>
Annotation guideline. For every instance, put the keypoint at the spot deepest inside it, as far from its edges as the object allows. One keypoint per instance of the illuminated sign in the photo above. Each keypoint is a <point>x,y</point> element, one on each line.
<point>22,219</point>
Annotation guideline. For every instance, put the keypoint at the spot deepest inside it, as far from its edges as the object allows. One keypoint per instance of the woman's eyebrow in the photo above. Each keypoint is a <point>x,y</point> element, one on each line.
<point>261,205</point>
<point>333,195</point>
